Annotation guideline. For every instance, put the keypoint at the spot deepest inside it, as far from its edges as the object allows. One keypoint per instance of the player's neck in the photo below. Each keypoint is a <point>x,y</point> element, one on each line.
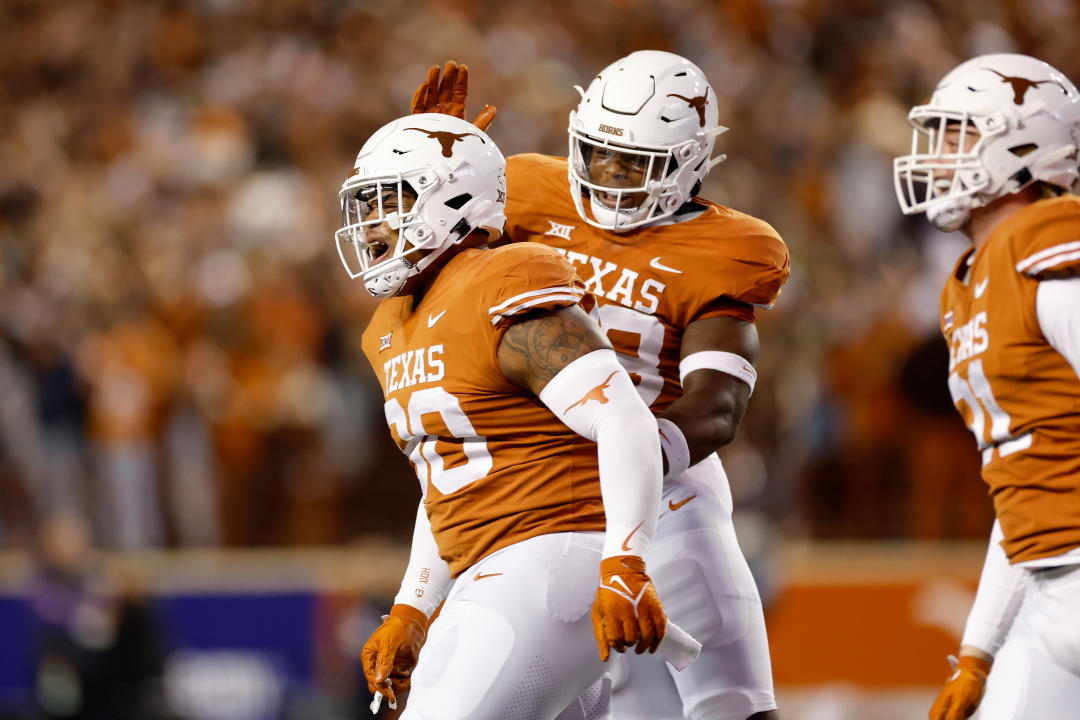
<point>986,219</point>
<point>424,281</point>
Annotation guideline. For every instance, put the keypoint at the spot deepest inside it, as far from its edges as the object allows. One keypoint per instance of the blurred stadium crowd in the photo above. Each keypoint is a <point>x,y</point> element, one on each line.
<point>179,348</point>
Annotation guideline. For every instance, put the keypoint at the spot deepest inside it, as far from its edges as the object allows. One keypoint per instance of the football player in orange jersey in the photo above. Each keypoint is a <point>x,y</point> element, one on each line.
<point>677,281</point>
<point>994,155</point>
<point>539,464</point>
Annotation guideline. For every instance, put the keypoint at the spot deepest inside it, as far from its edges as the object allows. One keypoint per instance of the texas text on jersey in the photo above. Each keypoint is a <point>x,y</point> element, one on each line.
<point>651,283</point>
<point>496,465</point>
<point>1027,423</point>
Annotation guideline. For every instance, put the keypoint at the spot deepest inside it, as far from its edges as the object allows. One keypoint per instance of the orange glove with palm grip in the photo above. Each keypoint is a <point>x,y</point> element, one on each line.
<point>626,611</point>
<point>447,96</point>
<point>390,654</point>
<point>961,695</point>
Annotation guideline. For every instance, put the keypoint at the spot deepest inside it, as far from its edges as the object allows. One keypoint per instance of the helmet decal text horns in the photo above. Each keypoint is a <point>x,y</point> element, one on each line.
<point>1021,85</point>
<point>698,103</point>
<point>446,139</point>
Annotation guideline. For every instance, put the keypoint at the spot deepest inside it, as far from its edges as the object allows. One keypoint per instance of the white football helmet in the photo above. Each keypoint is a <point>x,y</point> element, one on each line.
<point>455,172</point>
<point>1026,116</point>
<point>658,113</point>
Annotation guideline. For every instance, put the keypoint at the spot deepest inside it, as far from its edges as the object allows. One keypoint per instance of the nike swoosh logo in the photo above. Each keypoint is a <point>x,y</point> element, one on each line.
<point>481,577</point>
<point>625,588</point>
<point>432,319</point>
<point>980,288</point>
<point>656,264</point>
<point>676,505</point>
<point>626,542</point>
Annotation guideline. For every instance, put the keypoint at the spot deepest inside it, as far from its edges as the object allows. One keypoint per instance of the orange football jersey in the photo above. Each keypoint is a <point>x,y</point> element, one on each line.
<point>650,283</point>
<point>496,465</point>
<point>1017,394</point>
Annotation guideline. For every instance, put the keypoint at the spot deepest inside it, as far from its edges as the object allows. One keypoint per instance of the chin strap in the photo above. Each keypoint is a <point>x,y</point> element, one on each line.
<point>950,216</point>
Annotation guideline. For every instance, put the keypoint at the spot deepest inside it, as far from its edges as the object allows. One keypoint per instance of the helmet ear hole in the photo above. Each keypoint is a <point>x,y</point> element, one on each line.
<point>458,201</point>
<point>1022,150</point>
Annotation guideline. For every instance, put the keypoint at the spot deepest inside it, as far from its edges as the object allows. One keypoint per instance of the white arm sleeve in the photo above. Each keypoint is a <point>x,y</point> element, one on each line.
<point>1057,304</point>
<point>427,578</point>
<point>1001,590</point>
<point>595,398</point>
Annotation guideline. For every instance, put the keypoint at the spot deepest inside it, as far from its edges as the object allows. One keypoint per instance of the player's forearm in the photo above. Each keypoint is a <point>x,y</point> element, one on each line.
<point>427,577</point>
<point>997,600</point>
<point>708,421</point>
<point>717,377</point>
<point>595,398</point>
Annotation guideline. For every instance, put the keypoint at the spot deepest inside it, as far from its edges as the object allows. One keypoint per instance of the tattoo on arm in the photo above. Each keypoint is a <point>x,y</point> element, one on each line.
<point>534,349</point>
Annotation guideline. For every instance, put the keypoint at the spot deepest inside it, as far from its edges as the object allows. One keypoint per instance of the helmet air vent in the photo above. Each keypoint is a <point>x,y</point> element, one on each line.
<point>458,201</point>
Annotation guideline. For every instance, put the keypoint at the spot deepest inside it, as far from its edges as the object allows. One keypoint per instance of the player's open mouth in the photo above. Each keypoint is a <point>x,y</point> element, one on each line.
<point>612,201</point>
<point>377,249</point>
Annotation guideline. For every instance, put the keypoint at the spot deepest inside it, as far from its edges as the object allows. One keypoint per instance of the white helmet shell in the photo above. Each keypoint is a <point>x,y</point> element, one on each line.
<point>658,111</point>
<point>458,176</point>
<point>1026,117</point>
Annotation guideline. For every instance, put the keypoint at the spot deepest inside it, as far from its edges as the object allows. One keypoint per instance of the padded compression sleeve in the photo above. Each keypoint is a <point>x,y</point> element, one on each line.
<point>427,578</point>
<point>1057,304</point>
<point>1001,590</point>
<point>595,398</point>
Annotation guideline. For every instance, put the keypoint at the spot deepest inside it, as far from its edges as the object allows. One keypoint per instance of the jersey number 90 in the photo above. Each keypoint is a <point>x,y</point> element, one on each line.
<point>419,429</point>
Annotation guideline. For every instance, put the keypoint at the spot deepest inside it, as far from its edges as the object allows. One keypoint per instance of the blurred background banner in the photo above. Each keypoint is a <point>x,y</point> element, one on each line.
<point>201,512</point>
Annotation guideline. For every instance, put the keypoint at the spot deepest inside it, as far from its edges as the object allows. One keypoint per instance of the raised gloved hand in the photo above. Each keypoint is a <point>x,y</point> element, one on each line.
<point>447,96</point>
<point>390,654</point>
<point>963,690</point>
<point>626,612</point>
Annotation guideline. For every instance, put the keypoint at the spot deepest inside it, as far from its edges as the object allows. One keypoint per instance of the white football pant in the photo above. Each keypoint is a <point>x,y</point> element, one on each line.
<point>706,587</point>
<point>514,639</point>
<point>1036,674</point>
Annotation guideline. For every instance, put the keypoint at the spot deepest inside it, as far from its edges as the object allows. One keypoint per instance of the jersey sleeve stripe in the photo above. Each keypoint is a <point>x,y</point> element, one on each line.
<point>1051,262</point>
<point>1038,257</point>
<point>533,293</point>
<point>571,297</point>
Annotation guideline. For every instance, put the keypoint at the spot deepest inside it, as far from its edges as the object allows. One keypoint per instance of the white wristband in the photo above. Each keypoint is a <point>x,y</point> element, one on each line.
<point>673,443</point>
<point>725,362</point>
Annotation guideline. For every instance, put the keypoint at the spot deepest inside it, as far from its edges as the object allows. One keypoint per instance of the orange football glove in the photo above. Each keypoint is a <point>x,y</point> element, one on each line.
<point>447,96</point>
<point>626,611</point>
<point>963,691</point>
<point>390,654</point>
